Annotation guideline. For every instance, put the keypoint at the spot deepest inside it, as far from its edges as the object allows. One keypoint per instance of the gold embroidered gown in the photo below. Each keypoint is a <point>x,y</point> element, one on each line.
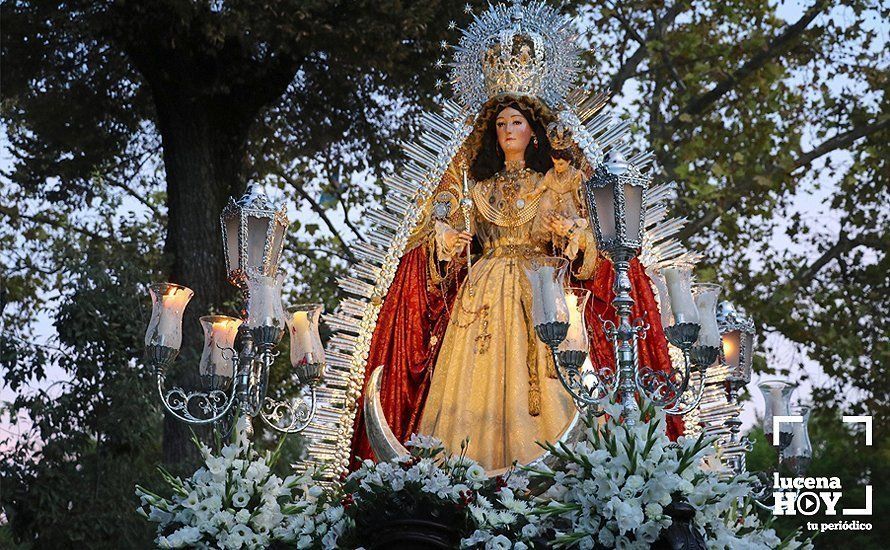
<point>493,380</point>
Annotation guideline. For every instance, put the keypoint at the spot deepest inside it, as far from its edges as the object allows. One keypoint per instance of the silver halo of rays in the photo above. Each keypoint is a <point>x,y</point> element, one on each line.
<point>329,437</point>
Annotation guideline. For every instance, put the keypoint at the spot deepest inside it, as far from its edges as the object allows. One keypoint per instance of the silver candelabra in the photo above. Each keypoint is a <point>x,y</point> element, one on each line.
<point>615,196</point>
<point>238,353</point>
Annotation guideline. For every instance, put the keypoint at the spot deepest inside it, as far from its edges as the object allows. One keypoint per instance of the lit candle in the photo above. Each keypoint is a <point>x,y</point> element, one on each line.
<point>678,282</point>
<point>305,342</point>
<point>168,304</point>
<point>219,337</point>
<point>731,348</point>
<point>300,328</point>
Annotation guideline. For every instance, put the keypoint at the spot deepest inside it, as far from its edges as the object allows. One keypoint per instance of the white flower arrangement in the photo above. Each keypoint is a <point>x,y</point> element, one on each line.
<point>616,482</point>
<point>454,490</point>
<point>234,501</point>
<point>614,488</point>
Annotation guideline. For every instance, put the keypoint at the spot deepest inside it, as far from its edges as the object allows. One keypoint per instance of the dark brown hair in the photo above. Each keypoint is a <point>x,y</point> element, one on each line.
<point>564,154</point>
<point>490,158</point>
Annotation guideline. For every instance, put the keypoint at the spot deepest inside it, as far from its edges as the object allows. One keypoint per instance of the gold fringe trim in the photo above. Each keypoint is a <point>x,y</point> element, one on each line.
<point>551,367</point>
<point>534,382</point>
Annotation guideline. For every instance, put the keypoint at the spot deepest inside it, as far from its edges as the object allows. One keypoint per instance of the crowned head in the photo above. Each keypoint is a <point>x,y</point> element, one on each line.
<point>519,50</point>
<point>514,64</point>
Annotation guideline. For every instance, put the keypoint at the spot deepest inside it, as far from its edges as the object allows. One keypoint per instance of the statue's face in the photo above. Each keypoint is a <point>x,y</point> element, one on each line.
<point>514,132</point>
<point>560,165</point>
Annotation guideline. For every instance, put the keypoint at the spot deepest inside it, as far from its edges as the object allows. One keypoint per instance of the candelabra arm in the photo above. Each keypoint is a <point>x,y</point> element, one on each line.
<point>180,403</point>
<point>571,379</point>
<point>686,407</point>
<point>298,421</point>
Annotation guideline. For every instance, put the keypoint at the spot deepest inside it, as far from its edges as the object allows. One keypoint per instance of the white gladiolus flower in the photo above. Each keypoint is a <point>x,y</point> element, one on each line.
<point>634,483</point>
<point>240,499</point>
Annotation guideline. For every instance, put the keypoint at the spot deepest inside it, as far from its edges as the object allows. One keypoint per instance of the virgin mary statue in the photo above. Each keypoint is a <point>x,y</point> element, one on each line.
<point>454,336</point>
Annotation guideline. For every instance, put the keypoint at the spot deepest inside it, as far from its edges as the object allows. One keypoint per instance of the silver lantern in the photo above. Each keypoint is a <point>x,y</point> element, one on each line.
<point>253,235</point>
<point>615,199</point>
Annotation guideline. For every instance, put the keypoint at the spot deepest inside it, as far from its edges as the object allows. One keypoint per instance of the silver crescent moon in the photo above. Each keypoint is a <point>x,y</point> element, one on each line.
<point>386,445</point>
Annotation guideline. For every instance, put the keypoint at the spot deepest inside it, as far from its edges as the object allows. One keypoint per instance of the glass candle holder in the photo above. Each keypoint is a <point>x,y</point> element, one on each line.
<point>799,453</point>
<point>217,358</point>
<point>168,302</point>
<point>264,306</point>
<point>679,285</point>
<point>577,338</point>
<point>705,297</point>
<point>306,352</point>
<point>547,277</point>
<point>662,297</point>
<point>777,402</point>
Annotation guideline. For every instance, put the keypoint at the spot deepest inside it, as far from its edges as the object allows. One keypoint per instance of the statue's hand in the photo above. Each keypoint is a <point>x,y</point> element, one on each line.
<point>559,224</point>
<point>455,239</point>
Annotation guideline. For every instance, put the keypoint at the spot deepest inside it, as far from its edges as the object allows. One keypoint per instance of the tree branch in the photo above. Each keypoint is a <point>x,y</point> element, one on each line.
<point>805,274</point>
<point>777,47</point>
<point>841,140</point>
<point>629,68</point>
<point>838,141</point>
<point>14,214</point>
<point>326,166</point>
<point>120,185</point>
<point>320,211</point>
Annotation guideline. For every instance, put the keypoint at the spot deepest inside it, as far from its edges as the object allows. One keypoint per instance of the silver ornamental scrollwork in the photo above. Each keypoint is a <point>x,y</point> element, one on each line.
<point>289,416</point>
<point>213,404</point>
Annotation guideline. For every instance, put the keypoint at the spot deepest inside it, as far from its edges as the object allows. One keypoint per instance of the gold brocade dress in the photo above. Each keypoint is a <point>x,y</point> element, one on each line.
<point>494,381</point>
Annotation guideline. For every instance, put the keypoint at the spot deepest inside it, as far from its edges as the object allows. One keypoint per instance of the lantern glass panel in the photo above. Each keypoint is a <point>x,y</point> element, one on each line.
<point>257,230</point>
<point>275,250</point>
<point>633,211</point>
<point>604,198</point>
<point>233,246</point>
<point>732,349</point>
<point>746,356</point>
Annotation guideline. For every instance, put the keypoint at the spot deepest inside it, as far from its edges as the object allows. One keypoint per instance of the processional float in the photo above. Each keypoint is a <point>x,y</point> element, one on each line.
<point>711,342</point>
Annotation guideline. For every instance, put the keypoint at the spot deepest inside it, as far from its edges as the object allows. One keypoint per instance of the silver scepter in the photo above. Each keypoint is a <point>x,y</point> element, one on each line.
<point>466,205</point>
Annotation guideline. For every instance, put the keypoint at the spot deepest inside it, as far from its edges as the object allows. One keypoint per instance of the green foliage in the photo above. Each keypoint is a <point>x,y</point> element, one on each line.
<point>750,112</point>
<point>773,121</point>
<point>95,432</point>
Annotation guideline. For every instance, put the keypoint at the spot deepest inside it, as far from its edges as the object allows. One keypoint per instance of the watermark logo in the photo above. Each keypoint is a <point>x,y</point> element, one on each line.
<point>808,496</point>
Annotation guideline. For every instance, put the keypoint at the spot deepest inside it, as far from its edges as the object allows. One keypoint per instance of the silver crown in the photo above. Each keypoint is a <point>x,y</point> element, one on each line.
<point>521,49</point>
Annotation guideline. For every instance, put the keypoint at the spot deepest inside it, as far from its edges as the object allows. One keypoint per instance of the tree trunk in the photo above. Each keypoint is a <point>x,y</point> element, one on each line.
<point>203,154</point>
